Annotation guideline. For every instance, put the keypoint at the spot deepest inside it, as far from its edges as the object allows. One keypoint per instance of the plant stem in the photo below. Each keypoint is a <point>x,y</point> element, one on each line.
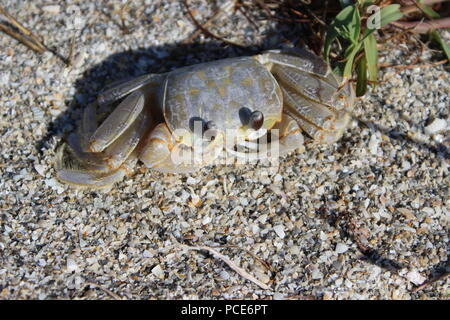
<point>423,26</point>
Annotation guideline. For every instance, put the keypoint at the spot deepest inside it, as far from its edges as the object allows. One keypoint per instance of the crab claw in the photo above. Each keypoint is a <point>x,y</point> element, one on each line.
<point>163,153</point>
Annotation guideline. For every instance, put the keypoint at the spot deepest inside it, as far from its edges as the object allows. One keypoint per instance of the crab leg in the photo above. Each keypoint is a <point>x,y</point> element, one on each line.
<point>103,167</point>
<point>295,61</point>
<point>157,148</point>
<point>299,59</point>
<point>92,161</point>
<point>78,144</point>
<point>311,87</point>
<point>119,120</point>
<point>83,178</point>
<point>110,165</point>
<point>112,157</point>
<point>121,148</point>
<point>309,92</point>
<point>88,125</point>
<point>322,123</point>
<point>121,90</point>
<point>312,117</point>
<point>291,137</point>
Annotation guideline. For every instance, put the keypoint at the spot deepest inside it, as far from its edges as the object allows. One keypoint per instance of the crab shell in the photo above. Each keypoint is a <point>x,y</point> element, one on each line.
<point>200,93</point>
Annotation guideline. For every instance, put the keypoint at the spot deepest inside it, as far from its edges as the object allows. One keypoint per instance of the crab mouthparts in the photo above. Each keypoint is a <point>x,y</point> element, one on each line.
<point>255,134</point>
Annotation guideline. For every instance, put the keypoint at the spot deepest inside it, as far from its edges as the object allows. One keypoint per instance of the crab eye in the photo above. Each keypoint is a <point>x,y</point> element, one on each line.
<point>256,120</point>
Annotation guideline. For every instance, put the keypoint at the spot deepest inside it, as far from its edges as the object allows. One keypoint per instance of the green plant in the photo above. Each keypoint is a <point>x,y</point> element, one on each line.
<point>434,35</point>
<point>355,25</point>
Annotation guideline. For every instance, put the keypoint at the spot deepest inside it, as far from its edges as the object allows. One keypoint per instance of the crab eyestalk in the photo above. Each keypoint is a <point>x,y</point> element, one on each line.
<point>210,130</point>
<point>256,120</point>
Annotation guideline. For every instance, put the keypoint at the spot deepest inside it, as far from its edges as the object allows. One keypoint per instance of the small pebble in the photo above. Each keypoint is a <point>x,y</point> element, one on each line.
<point>40,169</point>
<point>279,230</point>
<point>415,277</point>
<point>436,126</point>
<point>158,272</point>
<point>53,9</point>
<point>341,248</point>
<point>278,296</point>
<point>71,265</point>
<point>191,181</point>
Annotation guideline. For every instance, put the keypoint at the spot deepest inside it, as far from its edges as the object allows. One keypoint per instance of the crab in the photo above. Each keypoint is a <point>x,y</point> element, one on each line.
<point>182,120</point>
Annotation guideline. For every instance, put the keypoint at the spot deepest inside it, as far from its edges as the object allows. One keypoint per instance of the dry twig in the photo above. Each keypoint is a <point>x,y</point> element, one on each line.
<point>423,26</point>
<point>28,38</point>
<point>71,51</point>
<point>197,32</point>
<point>205,30</point>
<point>109,292</point>
<point>230,263</point>
<point>124,27</point>
<point>263,262</point>
<point>431,281</point>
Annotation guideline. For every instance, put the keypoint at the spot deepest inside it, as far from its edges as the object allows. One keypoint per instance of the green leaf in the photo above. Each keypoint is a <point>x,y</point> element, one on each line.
<point>361,80</point>
<point>445,47</point>
<point>350,58</point>
<point>347,24</point>
<point>349,50</point>
<point>387,15</point>
<point>371,52</point>
<point>390,14</point>
<point>355,27</point>
<point>428,11</point>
